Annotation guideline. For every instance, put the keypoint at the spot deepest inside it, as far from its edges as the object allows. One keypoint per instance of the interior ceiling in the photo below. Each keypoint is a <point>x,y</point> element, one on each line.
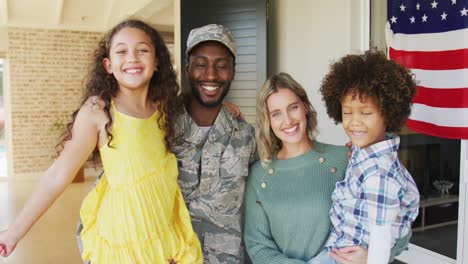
<point>88,15</point>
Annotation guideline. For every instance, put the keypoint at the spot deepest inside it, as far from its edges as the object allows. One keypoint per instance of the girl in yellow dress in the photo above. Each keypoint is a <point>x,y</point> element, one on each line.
<point>136,213</point>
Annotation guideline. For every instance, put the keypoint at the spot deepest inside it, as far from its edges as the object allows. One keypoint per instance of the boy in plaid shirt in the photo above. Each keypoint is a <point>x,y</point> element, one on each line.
<point>377,201</point>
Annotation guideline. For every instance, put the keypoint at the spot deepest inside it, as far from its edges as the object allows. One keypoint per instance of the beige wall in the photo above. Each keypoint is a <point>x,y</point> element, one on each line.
<point>3,41</point>
<point>304,37</point>
<point>46,68</point>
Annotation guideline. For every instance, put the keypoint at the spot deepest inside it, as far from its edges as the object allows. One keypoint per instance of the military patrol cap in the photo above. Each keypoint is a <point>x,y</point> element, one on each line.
<point>211,32</point>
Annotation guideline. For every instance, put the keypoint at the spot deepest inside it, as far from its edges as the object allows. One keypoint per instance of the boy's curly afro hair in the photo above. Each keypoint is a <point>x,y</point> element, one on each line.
<point>370,74</point>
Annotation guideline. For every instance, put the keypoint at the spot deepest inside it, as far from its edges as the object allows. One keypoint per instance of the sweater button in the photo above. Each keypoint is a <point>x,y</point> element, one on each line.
<point>263,185</point>
<point>322,160</point>
<point>270,171</point>
<point>333,170</point>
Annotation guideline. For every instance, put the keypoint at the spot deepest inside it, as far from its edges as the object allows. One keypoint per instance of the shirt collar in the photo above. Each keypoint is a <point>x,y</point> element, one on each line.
<point>225,123</point>
<point>381,148</point>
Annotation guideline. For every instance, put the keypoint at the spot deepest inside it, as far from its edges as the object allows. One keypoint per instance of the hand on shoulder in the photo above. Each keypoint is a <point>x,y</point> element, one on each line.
<point>234,110</point>
<point>93,109</point>
<point>94,105</point>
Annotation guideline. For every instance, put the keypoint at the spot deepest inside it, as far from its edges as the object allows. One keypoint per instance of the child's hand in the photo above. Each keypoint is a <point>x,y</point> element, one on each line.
<point>349,144</point>
<point>7,245</point>
<point>234,110</point>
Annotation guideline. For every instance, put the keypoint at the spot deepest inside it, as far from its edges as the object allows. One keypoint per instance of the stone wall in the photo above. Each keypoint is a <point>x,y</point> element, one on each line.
<point>46,71</point>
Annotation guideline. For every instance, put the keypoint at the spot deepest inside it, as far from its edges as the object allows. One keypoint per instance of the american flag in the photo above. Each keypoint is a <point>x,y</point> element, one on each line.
<point>431,38</point>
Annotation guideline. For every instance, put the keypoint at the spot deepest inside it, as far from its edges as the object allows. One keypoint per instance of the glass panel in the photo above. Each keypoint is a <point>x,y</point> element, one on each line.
<point>434,164</point>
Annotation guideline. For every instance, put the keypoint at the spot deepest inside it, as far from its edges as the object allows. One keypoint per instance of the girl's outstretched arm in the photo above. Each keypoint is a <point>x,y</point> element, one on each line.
<point>53,182</point>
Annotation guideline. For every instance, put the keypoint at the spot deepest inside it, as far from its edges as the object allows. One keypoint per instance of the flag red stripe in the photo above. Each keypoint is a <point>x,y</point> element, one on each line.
<point>451,98</point>
<point>438,131</point>
<point>431,60</point>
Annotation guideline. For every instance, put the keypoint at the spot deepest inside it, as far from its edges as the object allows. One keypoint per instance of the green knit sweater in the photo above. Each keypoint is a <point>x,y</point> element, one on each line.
<point>287,211</point>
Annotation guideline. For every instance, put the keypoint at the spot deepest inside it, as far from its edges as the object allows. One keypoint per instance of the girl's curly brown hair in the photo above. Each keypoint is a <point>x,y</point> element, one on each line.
<point>163,87</point>
<point>370,74</point>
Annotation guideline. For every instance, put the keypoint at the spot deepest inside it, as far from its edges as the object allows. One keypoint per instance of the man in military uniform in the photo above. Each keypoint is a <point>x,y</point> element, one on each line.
<point>213,148</point>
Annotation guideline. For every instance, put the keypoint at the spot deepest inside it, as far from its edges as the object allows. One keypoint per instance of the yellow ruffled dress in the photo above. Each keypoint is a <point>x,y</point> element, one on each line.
<point>136,213</point>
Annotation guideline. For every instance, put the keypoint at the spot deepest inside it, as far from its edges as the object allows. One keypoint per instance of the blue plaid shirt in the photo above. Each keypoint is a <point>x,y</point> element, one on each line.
<point>377,189</point>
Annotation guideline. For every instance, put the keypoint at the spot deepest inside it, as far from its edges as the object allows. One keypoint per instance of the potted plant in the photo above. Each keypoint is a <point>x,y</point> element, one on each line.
<point>58,126</point>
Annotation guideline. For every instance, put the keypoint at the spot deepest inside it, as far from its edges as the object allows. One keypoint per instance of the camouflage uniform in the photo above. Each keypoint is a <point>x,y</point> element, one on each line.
<point>213,170</point>
<point>212,174</point>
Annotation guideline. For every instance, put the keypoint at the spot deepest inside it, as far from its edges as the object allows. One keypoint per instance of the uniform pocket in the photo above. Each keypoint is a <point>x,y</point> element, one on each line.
<point>235,162</point>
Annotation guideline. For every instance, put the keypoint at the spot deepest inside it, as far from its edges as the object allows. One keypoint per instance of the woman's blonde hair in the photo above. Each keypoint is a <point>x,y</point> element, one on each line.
<point>268,143</point>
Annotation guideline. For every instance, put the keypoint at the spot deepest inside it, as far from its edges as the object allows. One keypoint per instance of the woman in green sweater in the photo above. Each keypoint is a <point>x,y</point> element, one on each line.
<point>288,192</point>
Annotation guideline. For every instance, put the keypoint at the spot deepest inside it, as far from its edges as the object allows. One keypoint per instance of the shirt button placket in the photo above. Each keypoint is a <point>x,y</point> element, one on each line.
<point>264,185</point>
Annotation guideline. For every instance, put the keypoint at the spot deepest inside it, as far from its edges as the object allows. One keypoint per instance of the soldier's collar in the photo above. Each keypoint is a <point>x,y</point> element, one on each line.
<point>224,123</point>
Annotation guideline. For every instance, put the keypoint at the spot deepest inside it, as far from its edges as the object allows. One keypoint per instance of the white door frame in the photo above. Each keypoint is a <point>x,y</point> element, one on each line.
<point>462,245</point>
